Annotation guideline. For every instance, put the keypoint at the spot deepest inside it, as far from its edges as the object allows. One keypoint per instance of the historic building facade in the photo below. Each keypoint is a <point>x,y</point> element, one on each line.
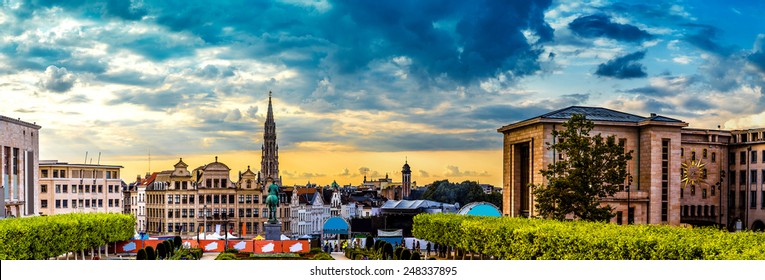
<point>19,158</point>
<point>186,202</point>
<point>79,188</point>
<point>679,174</point>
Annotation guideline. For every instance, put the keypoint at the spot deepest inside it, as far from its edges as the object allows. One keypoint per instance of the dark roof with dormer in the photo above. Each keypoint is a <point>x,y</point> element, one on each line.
<point>595,114</point>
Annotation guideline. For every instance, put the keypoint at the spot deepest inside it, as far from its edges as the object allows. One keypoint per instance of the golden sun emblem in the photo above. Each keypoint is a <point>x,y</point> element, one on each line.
<point>693,173</point>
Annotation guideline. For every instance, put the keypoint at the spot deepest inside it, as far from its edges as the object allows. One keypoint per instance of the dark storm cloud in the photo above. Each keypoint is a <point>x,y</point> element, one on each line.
<point>600,25</point>
<point>625,67</point>
<point>703,37</point>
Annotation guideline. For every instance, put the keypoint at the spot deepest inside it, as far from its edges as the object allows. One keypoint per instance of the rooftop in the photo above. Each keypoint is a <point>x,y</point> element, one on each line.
<point>595,114</point>
<point>64,164</point>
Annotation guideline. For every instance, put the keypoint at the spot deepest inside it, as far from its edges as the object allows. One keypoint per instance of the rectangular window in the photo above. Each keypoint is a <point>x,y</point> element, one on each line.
<point>714,156</point>
<point>184,213</point>
<point>241,198</point>
<point>87,203</point>
<point>741,199</point>
<point>248,199</point>
<point>753,175</point>
<point>742,159</point>
<point>170,214</point>
<point>80,187</point>
<point>753,199</point>
<point>58,188</point>
<point>216,199</point>
<point>93,188</point>
<point>241,212</point>
<point>762,199</point>
<point>731,158</point>
<point>231,198</point>
<point>704,193</point>
<point>64,203</point>
<point>55,173</point>
<point>64,188</point>
<point>100,203</point>
<point>732,199</point>
<point>74,188</point>
<point>45,172</point>
<point>255,199</point>
<point>43,188</point>
<point>224,199</point>
<point>191,199</point>
<point>753,156</point>
<point>58,203</point>
<point>248,213</point>
<point>116,203</point>
<point>44,203</point>
<point>191,212</point>
<point>177,199</point>
<point>732,178</point>
<point>169,199</point>
<point>742,177</point>
<point>255,212</point>
<point>100,188</point>
<point>111,204</point>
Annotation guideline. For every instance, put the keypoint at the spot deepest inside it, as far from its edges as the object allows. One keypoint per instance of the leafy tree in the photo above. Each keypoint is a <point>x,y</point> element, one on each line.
<point>592,168</point>
<point>405,254</point>
<point>177,242</point>
<point>416,256</point>
<point>150,254</point>
<point>141,254</point>
<point>168,247</point>
<point>387,251</point>
<point>161,252</point>
<point>397,253</point>
<point>370,242</point>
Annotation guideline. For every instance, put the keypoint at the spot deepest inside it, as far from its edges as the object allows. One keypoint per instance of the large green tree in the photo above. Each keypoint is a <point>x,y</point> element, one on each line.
<point>591,168</point>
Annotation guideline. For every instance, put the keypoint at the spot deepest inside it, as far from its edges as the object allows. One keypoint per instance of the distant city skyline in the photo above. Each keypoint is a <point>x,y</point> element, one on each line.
<point>363,85</point>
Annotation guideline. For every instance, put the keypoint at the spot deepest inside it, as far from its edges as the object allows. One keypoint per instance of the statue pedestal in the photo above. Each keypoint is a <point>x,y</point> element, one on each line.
<point>273,231</point>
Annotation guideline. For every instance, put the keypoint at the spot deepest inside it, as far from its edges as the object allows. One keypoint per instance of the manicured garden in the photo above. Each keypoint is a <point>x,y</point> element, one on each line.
<point>529,239</point>
<point>51,236</point>
<point>314,254</point>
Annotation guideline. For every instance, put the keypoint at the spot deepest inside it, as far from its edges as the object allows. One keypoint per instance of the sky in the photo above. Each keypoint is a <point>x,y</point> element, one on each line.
<point>360,87</point>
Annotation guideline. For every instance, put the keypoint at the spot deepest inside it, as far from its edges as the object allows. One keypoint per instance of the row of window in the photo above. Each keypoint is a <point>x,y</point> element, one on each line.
<point>207,199</point>
<point>693,191</point>
<point>742,199</point>
<point>703,154</point>
<point>699,211</point>
<point>742,157</point>
<point>59,188</point>
<point>61,173</point>
<point>249,227</point>
<point>83,203</point>
<point>742,177</point>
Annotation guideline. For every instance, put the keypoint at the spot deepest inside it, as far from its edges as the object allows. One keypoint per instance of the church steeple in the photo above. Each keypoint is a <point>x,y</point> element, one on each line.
<point>270,150</point>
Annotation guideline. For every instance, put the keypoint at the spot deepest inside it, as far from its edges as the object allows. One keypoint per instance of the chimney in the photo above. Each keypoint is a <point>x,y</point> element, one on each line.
<point>653,115</point>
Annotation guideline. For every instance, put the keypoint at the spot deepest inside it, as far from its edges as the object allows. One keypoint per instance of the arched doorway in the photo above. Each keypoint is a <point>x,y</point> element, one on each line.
<point>758,226</point>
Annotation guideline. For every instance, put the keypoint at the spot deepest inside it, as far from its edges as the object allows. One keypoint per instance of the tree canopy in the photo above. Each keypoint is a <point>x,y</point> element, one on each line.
<point>462,193</point>
<point>591,168</point>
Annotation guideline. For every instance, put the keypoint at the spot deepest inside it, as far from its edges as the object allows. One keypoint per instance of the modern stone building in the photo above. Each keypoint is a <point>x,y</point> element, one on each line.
<point>79,188</point>
<point>19,157</point>
<point>679,173</point>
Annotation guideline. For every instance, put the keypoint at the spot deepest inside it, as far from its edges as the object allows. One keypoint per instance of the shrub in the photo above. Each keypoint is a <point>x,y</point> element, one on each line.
<point>196,252</point>
<point>161,252</point>
<point>322,256</point>
<point>226,256</point>
<point>168,248</point>
<point>44,237</point>
<point>141,254</point>
<point>177,242</point>
<point>397,253</point>
<point>150,253</point>
<point>387,251</point>
<point>406,254</point>
<point>369,242</point>
<point>416,256</point>
<point>231,250</point>
<point>520,238</point>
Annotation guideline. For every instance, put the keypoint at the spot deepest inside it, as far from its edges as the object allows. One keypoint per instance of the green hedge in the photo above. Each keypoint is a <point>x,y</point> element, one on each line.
<point>520,238</point>
<point>50,236</point>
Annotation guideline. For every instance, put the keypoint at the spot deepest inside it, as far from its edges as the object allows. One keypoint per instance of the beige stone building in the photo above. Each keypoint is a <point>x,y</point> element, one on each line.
<point>79,188</point>
<point>19,157</point>
<point>680,175</point>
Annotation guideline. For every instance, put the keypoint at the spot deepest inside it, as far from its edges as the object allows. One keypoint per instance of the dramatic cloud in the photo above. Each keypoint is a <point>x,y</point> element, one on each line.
<point>454,171</point>
<point>600,25</point>
<point>625,67</point>
<point>57,79</point>
<point>757,58</point>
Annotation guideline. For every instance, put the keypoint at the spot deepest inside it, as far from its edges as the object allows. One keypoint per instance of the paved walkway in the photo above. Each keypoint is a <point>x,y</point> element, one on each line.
<point>209,256</point>
<point>339,256</point>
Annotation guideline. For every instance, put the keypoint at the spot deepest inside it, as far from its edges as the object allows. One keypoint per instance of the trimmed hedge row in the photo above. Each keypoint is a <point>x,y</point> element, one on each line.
<point>521,238</point>
<point>49,236</point>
